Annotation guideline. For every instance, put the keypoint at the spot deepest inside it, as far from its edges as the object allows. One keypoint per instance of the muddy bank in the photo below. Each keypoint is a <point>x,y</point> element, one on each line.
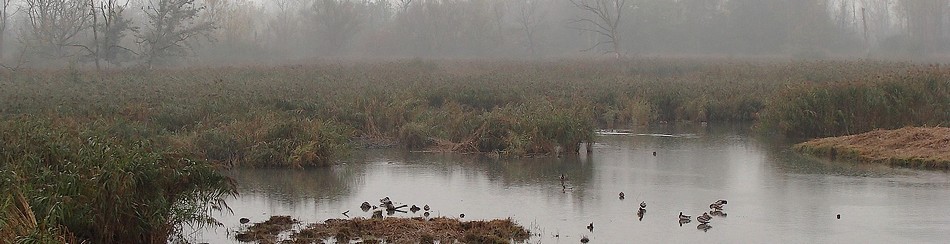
<point>390,230</point>
<point>917,147</point>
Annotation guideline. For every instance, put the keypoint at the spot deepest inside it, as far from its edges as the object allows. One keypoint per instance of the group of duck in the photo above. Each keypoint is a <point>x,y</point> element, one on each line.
<point>715,209</point>
<point>391,208</point>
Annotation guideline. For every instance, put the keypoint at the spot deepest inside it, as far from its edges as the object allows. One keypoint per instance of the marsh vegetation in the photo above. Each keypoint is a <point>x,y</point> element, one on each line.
<point>84,151</point>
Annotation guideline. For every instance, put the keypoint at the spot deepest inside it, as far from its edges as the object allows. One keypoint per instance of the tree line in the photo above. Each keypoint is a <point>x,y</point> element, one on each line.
<point>119,33</point>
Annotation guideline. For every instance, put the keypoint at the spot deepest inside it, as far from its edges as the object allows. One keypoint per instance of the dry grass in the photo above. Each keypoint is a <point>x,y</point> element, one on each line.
<point>394,230</point>
<point>926,147</point>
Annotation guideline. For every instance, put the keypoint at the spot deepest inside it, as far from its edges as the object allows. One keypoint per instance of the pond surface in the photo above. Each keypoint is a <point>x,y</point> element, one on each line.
<point>774,195</point>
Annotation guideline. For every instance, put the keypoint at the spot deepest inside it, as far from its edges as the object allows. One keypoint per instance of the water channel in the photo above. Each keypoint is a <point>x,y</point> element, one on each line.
<point>774,194</point>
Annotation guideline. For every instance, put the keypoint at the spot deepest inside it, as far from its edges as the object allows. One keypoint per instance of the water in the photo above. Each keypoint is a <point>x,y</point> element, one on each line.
<point>774,194</point>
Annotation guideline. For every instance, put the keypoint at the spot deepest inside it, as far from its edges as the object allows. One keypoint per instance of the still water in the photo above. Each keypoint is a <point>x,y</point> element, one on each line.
<point>774,195</point>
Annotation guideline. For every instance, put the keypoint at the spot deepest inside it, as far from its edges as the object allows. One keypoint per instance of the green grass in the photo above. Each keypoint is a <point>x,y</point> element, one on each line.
<point>65,182</point>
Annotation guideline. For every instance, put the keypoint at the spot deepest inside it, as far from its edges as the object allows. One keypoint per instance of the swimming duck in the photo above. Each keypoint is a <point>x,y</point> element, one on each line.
<point>705,218</point>
<point>684,217</point>
<point>621,195</point>
<point>704,227</point>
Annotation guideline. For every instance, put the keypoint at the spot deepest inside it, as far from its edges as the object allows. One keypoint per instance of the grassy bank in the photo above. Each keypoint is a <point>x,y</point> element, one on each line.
<point>918,147</point>
<point>313,115</point>
<point>66,183</point>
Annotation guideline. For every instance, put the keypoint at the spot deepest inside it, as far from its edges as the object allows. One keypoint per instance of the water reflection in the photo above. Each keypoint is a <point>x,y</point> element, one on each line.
<point>762,179</point>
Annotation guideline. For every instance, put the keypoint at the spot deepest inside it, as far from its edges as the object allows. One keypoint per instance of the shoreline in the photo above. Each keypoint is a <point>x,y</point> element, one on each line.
<point>911,147</point>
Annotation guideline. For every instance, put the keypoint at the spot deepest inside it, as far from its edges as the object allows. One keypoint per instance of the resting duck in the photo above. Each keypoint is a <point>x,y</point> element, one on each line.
<point>591,227</point>
<point>621,195</point>
<point>643,204</point>
<point>414,208</point>
<point>715,206</point>
<point>684,217</point>
<point>705,218</point>
<point>721,202</point>
<point>426,207</point>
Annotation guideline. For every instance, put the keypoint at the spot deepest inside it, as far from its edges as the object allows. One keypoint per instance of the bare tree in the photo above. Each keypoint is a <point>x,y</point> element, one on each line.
<point>339,20</point>
<point>529,18</point>
<point>4,22</point>
<point>171,25</point>
<point>109,27</point>
<point>53,25</point>
<point>605,22</point>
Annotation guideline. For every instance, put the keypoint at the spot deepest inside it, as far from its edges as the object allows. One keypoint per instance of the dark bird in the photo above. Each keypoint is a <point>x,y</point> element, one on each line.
<point>461,216</point>
<point>839,216</point>
<point>717,213</point>
<point>584,240</point>
<point>365,206</point>
<point>704,227</point>
<point>721,202</point>
<point>246,220</point>
<point>654,154</point>
<point>705,218</point>
<point>426,214</point>
<point>426,207</point>
<point>621,195</point>
<point>684,217</point>
<point>715,206</point>
<point>643,204</point>
<point>591,227</point>
<point>414,208</point>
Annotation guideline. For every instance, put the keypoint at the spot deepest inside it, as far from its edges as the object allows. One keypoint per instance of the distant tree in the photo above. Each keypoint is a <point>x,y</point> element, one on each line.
<point>605,17</point>
<point>109,27</point>
<point>172,24</point>
<point>53,26</point>
<point>924,21</point>
<point>530,17</point>
<point>338,21</point>
<point>4,22</point>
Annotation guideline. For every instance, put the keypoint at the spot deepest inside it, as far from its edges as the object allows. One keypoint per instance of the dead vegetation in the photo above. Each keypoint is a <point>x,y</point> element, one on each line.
<point>396,230</point>
<point>921,147</point>
<point>267,231</point>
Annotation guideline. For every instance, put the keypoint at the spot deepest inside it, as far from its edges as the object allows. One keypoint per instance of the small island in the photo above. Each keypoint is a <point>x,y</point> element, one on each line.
<point>915,147</point>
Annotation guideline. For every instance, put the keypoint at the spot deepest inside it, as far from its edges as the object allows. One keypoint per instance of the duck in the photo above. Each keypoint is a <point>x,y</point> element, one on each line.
<point>705,218</point>
<point>584,239</point>
<point>461,216</point>
<point>717,213</point>
<point>704,227</point>
<point>426,207</point>
<point>684,217</point>
<point>365,206</point>
<point>715,206</point>
<point>414,208</point>
<point>244,220</point>
<point>643,204</point>
<point>621,196</point>
<point>563,178</point>
<point>591,227</point>
<point>654,154</point>
<point>426,214</point>
<point>721,202</point>
<point>384,200</point>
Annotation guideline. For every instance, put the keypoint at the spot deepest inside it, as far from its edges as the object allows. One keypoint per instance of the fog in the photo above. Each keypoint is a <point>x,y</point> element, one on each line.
<point>134,33</point>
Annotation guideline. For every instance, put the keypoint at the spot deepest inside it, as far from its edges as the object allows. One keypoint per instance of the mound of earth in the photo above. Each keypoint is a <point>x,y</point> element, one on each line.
<point>394,230</point>
<point>919,147</point>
